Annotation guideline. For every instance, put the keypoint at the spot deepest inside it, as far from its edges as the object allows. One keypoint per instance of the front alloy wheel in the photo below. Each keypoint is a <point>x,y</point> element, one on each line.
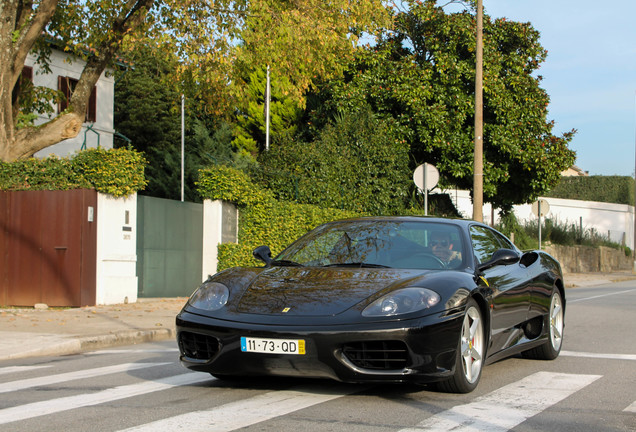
<point>470,355</point>
<point>472,344</point>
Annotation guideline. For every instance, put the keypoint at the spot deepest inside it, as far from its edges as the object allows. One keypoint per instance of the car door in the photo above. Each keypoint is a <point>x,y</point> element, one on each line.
<point>509,286</point>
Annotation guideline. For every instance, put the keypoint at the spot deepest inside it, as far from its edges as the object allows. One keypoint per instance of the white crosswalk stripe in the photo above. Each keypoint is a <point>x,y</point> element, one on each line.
<point>508,406</point>
<point>37,409</point>
<point>18,369</point>
<point>498,411</point>
<point>87,373</point>
<point>598,355</point>
<point>254,410</point>
<point>631,408</point>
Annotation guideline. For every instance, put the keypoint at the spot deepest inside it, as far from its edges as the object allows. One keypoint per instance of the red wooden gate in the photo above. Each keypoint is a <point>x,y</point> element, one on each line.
<point>48,249</point>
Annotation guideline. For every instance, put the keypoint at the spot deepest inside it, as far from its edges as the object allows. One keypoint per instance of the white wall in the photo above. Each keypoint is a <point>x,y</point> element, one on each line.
<point>212,228</point>
<point>615,220</point>
<point>104,124</point>
<point>116,249</point>
<point>213,224</point>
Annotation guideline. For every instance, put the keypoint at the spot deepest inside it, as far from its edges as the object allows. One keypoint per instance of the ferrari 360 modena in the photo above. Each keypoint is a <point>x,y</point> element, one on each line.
<point>378,299</point>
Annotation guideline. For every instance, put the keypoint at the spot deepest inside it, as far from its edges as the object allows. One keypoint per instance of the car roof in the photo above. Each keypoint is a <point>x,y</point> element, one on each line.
<point>460,222</point>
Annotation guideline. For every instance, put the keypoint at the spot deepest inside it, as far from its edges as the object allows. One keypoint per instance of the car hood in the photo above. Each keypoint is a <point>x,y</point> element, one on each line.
<point>318,291</point>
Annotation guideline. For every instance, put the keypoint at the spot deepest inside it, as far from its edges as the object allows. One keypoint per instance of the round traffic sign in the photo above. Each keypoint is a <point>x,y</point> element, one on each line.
<point>426,177</point>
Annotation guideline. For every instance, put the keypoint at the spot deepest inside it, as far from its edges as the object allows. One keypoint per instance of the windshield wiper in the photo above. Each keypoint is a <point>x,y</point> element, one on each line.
<point>357,264</point>
<point>286,263</point>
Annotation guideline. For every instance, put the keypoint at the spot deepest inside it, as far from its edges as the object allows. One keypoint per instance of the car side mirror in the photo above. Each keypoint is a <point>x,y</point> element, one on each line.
<point>500,257</point>
<point>264,254</point>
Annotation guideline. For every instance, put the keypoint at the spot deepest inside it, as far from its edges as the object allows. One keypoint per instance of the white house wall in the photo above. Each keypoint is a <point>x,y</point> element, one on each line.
<point>613,220</point>
<point>103,128</point>
<point>116,249</point>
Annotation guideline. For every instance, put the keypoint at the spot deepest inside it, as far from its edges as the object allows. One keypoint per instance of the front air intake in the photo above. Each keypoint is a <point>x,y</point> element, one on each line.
<point>377,355</point>
<point>198,346</point>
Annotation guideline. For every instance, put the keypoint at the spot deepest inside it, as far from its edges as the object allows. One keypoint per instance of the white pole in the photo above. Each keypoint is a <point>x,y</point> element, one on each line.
<point>182,147</point>
<point>425,189</point>
<point>267,100</point>
<point>539,223</point>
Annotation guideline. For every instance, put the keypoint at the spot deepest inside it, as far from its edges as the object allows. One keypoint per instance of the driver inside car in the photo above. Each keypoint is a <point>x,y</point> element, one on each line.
<point>442,248</point>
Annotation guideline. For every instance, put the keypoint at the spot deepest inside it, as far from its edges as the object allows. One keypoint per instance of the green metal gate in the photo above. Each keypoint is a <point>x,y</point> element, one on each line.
<point>169,247</point>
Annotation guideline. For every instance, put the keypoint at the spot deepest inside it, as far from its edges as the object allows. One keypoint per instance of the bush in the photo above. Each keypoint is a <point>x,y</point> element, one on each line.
<point>263,220</point>
<point>119,172</point>
<point>527,236</point>
<point>225,183</point>
<point>353,165</point>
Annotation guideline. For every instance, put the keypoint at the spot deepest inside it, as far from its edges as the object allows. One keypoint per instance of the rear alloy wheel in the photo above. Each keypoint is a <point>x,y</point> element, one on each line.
<point>552,347</point>
<point>470,354</point>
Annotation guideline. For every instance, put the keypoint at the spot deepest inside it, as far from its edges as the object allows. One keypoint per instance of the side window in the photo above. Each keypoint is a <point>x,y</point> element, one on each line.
<point>505,243</point>
<point>485,243</point>
<point>25,80</point>
<point>67,85</point>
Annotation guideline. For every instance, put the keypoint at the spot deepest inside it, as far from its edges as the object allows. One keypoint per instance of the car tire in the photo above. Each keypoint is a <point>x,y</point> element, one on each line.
<point>552,347</point>
<point>471,349</point>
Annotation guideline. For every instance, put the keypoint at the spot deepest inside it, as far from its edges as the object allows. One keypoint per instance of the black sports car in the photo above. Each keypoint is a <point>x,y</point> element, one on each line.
<point>379,299</point>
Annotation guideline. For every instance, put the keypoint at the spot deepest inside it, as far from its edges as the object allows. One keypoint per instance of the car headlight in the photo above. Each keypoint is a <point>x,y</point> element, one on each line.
<point>210,296</point>
<point>402,301</point>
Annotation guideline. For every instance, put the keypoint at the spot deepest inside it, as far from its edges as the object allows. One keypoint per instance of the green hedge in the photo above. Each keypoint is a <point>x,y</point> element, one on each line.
<point>610,189</point>
<point>355,164</point>
<point>263,220</point>
<point>119,172</point>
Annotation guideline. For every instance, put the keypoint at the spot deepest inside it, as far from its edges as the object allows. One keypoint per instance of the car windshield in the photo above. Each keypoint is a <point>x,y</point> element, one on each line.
<point>393,244</point>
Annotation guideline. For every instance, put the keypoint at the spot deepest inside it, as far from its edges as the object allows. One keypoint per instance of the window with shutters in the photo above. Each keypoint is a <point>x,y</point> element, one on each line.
<point>67,85</point>
<point>27,76</point>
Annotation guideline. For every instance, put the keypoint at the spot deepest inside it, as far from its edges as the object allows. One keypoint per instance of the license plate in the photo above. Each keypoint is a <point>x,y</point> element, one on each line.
<point>273,346</point>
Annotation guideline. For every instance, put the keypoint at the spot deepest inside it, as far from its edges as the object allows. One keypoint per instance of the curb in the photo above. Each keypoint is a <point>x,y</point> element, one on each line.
<point>89,343</point>
<point>124,338</point>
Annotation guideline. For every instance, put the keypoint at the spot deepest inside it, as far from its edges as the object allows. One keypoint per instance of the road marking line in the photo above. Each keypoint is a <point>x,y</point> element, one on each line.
<point>599,296</point>
<point>247,412</point>
<point>508,406</point>
<point>88,373</point>
<point>599,355</point>
<point>631,408</point>
<point>18,369</point>
<point>37,409</point>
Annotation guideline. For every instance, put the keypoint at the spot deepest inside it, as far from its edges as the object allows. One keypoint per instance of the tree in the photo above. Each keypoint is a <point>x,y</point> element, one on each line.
<point>249,127</point>
<point>203,35</point>
<point>148,114</point>
<point>353,164</point>
<point>21,26</point>
<point>422,74</point>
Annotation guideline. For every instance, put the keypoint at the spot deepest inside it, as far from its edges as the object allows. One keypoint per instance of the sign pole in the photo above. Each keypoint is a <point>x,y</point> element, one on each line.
<point>425,191</point>
<point>539,202</point>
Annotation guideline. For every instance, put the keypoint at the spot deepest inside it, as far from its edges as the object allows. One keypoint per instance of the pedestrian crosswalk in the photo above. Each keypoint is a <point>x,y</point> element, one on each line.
<point>497,411</point>
<point>508,406</point>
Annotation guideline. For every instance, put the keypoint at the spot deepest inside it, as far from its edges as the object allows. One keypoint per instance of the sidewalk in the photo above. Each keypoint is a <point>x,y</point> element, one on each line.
<point>28,332</point>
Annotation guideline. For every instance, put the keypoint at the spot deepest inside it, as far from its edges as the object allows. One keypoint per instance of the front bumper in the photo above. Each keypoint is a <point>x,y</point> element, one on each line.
<point>416,350</point>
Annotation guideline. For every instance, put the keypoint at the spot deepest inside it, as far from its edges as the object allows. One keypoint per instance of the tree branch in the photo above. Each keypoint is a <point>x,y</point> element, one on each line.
<point>96,64</point>
<point>29,34</point>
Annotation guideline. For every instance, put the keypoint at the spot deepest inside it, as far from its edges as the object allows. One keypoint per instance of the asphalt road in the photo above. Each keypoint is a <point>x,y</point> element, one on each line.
<point>590,387</point>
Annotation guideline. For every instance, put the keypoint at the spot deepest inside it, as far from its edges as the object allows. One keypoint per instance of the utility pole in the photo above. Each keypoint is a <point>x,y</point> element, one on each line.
<point>478,165</point>
<point>634,245</point>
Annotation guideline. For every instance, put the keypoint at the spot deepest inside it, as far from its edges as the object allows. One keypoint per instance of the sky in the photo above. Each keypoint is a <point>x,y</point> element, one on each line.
<point>589,74</point>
